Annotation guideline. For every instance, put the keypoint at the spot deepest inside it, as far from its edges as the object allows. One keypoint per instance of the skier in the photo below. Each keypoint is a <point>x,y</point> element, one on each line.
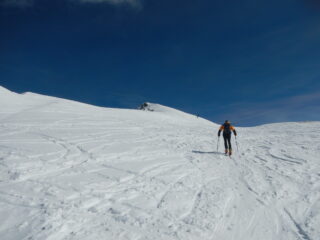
<point>227,128</point>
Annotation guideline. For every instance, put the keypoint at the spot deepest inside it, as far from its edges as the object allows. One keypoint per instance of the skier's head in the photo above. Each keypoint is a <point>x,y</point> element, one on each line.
<point>226,122</point>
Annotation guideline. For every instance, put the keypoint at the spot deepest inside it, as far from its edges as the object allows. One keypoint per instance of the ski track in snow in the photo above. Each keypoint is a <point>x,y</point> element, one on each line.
<point>73,171</point>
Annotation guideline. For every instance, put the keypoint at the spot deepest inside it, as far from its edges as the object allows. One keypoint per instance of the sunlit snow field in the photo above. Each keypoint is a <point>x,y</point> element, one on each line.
<point>74,171</point>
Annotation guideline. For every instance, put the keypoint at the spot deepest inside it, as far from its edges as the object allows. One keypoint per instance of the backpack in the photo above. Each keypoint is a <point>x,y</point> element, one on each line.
<point>227,128</point>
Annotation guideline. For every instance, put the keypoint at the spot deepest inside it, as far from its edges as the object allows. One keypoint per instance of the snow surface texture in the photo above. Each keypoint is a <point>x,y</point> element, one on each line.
<point>74,171</point>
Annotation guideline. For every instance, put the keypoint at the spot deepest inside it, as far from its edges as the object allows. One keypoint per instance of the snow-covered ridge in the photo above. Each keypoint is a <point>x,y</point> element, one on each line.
<point>14,100</point>
<point>78,172</point>
<point>13,103</point>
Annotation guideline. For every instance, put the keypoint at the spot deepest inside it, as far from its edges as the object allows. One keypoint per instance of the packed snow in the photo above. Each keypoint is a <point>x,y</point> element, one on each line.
<point>74,171</point>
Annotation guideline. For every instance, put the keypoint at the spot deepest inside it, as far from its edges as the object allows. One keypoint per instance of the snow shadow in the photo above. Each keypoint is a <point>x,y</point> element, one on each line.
<point>202,152</point>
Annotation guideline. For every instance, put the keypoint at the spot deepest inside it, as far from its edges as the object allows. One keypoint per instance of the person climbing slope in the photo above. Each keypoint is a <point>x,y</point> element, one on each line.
<point>227,128</point>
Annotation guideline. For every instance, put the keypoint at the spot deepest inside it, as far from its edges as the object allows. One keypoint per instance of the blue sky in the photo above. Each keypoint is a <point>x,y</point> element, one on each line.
<point>248,61</point>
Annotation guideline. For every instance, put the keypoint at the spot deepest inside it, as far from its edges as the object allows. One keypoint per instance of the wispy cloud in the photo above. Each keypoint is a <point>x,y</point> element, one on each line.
<point>16,3</point>
<point>296,108</point>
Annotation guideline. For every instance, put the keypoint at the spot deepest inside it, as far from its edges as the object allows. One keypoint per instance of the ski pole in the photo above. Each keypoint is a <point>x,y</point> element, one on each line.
<point>218,143</point>
<point>237,143</point>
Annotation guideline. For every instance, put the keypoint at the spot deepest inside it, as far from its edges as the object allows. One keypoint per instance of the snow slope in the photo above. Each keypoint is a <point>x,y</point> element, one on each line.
<point>74,171</point>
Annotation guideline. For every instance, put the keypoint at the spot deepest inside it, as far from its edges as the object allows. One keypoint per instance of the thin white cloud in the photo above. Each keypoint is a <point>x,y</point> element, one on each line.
<point>16,3</point>
<point>296,108</point>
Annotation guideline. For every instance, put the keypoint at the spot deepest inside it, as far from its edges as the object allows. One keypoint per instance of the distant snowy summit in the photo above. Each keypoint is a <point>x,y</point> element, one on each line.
<point>146,107</point>
<point>158,108</point>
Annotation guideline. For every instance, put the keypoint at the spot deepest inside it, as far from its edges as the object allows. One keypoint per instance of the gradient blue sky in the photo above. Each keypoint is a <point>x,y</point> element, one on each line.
<point>248,61</point>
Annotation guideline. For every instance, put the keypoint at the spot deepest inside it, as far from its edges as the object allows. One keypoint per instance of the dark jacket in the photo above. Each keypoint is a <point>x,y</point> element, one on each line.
<point>227,128</point>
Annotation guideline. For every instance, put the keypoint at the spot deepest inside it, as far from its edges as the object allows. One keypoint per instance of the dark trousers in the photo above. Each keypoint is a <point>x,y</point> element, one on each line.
<point>227,141</point>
